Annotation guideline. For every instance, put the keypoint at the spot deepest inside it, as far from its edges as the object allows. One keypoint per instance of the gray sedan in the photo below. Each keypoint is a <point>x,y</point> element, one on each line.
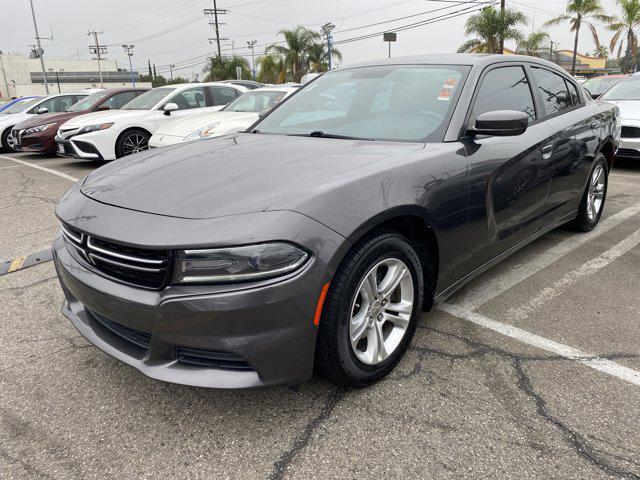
<point>314,240</point>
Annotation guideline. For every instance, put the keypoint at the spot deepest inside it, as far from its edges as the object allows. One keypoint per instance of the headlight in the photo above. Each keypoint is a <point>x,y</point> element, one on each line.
<point>94,128</point>
<point>39,128</point>
<point>205,132</point>
<point>238,264</point>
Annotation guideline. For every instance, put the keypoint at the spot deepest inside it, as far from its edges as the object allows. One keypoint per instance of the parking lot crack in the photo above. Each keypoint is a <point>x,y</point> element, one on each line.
<point>576,440</point>
<point>302,440</point>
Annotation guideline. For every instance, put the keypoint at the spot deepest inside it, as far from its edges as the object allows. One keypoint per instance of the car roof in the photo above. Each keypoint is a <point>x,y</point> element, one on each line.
<point>469,59</point>
<point>621,75</point>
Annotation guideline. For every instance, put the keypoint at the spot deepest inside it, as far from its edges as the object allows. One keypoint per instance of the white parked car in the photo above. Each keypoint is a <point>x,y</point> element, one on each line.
<point>114,134</point>
<point>235,117</point>
<point>626,95</point>
<point>22,111</point>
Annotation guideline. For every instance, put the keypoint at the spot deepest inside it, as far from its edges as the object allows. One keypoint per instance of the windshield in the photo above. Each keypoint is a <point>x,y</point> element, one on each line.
<point>596,86</point>
<point>88,102</point>
<point>255,101</point>
<point>394,102</point>
<point>147,100</point>
<point>627,89</point>
<point>21,106</point>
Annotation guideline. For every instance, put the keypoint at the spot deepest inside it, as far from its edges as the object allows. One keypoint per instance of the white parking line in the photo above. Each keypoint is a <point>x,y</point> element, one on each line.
<point>44,169</point>
<point>600,364</point>
<point>497,285</point>
<point>586,269</point>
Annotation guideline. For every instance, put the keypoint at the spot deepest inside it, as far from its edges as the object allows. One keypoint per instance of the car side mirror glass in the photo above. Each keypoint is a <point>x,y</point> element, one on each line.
<point>501,123</point>
<point>170,107</point>
<point>43,110</point>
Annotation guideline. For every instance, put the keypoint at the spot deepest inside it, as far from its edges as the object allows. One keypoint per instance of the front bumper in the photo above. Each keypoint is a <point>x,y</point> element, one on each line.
<point>266,328</point>
<point>41,142</point>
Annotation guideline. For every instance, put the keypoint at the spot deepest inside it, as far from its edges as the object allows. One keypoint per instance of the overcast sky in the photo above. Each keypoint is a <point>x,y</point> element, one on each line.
<point>175,31</point>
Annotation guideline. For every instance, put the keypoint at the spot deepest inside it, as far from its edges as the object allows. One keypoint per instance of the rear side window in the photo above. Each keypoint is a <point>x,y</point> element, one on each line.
<point>554,91</point>
<point>222,95</point>
<point>504,88</point>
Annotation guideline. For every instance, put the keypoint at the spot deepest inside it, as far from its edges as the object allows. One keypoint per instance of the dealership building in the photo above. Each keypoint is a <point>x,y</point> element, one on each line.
<point>20,75</point>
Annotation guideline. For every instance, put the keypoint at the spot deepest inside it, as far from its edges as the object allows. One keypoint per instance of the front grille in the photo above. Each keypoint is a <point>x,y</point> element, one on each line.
<point>627,152</point>
<point>199,357</point>
<point>630,132</point>
<point>134,266</point>
<point>137,337</point>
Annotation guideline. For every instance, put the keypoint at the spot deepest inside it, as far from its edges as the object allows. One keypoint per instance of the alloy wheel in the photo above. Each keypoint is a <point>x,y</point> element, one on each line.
<point>595,197</point>
<point>381,311</point>
<point>134,143</point>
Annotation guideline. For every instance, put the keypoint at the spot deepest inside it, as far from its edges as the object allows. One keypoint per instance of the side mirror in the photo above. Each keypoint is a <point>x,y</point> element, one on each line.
<point>170,107</point>
<point>264,112</point>
<point>501,123</point>
<point>43,110</point>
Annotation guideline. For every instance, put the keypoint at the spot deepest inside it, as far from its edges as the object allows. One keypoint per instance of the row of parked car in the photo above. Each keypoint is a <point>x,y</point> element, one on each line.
<point>108,124</point>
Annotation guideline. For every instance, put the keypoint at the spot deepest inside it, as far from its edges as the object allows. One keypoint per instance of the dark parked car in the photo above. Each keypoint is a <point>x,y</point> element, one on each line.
<point>37,134</point>
<point>318,237</point>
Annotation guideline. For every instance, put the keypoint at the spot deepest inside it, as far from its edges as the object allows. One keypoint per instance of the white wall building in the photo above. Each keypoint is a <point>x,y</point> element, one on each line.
<point>20,76</point>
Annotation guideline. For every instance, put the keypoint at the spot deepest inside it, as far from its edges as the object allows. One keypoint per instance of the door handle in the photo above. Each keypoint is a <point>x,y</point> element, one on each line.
<point>547,150</point>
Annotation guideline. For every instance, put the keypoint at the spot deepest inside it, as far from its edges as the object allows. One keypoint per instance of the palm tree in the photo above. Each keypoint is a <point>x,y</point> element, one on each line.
<point>295,54</point>
<point>625,26</point>
<point>577,13</point>
<point>489,26</point>
<point>224,68</point>
<point>318,57</point>
<point>271,69</point>
<point>533,43</point>
<point>601,52</point>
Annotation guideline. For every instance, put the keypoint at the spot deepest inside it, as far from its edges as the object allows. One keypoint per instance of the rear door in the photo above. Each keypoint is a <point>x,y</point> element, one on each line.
<point>575,140</point>
<point>509,177</point>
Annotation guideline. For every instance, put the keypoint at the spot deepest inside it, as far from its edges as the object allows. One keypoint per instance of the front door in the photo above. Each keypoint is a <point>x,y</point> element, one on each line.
<point>509,177</point>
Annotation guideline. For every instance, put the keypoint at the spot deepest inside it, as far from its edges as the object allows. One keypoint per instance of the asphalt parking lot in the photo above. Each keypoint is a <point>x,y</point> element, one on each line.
<point>531,371</point>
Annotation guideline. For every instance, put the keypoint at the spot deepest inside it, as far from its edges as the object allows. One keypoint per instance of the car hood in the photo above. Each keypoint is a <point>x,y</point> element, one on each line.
<point>629,109</point>
<point>236,174</point>
<point>188,125</point>
<point>45,118</point>
<point>105,117</point>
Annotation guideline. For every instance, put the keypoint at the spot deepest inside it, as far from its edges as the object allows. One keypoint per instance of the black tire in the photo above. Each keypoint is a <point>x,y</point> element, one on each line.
<point>5,141</point>
<point>584,222</point>
<point>335,358</point>
<point>121,143</point>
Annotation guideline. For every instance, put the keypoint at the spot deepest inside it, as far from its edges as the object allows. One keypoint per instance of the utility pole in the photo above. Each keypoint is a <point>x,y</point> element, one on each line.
<point>326,29</point>
<point>551,51</point>
<point>502,9</point>
<point>4,74</point>
<point>40,51</point>
<point>97,50</point>
<point>171,71</point>
<point>212,15</point>
<point>129,50</point>
<point>251,44</point>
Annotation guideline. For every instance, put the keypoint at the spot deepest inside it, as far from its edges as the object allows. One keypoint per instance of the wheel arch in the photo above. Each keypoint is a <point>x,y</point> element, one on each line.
<point>607,148</point>
<point>414,223</point>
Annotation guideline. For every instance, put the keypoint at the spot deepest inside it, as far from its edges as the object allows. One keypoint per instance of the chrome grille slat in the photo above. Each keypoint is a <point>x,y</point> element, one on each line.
<point>95,248</point>
<point>100,258</point>
<point>131,265</point>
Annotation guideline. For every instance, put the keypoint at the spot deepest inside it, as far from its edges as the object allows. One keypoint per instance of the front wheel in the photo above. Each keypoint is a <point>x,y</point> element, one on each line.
<point>594,196</point>
<point>7,140</point>
<point>371,311</point>
<point>132,141</point>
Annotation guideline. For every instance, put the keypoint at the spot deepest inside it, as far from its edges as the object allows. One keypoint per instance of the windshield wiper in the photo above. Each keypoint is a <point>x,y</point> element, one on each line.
<point>321,134</point>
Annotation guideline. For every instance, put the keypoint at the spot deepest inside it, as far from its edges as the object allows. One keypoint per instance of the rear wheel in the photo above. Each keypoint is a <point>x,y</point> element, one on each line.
<point>594,196</point>
<point>132,141</point>
<point>371,311</point>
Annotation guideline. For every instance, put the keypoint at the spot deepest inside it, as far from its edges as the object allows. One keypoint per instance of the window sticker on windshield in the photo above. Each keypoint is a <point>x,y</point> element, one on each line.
<point>450,83</point>
<point>444,95</point>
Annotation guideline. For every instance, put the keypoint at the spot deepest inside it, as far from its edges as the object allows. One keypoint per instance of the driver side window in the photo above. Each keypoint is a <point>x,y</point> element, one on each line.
<point>504,88</point>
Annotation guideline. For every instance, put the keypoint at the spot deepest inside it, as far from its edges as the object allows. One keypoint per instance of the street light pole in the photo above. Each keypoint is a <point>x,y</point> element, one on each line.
<point>129,50</point>
<point>35,26</point>
<point>251,44</point>
<point>326,29</point>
